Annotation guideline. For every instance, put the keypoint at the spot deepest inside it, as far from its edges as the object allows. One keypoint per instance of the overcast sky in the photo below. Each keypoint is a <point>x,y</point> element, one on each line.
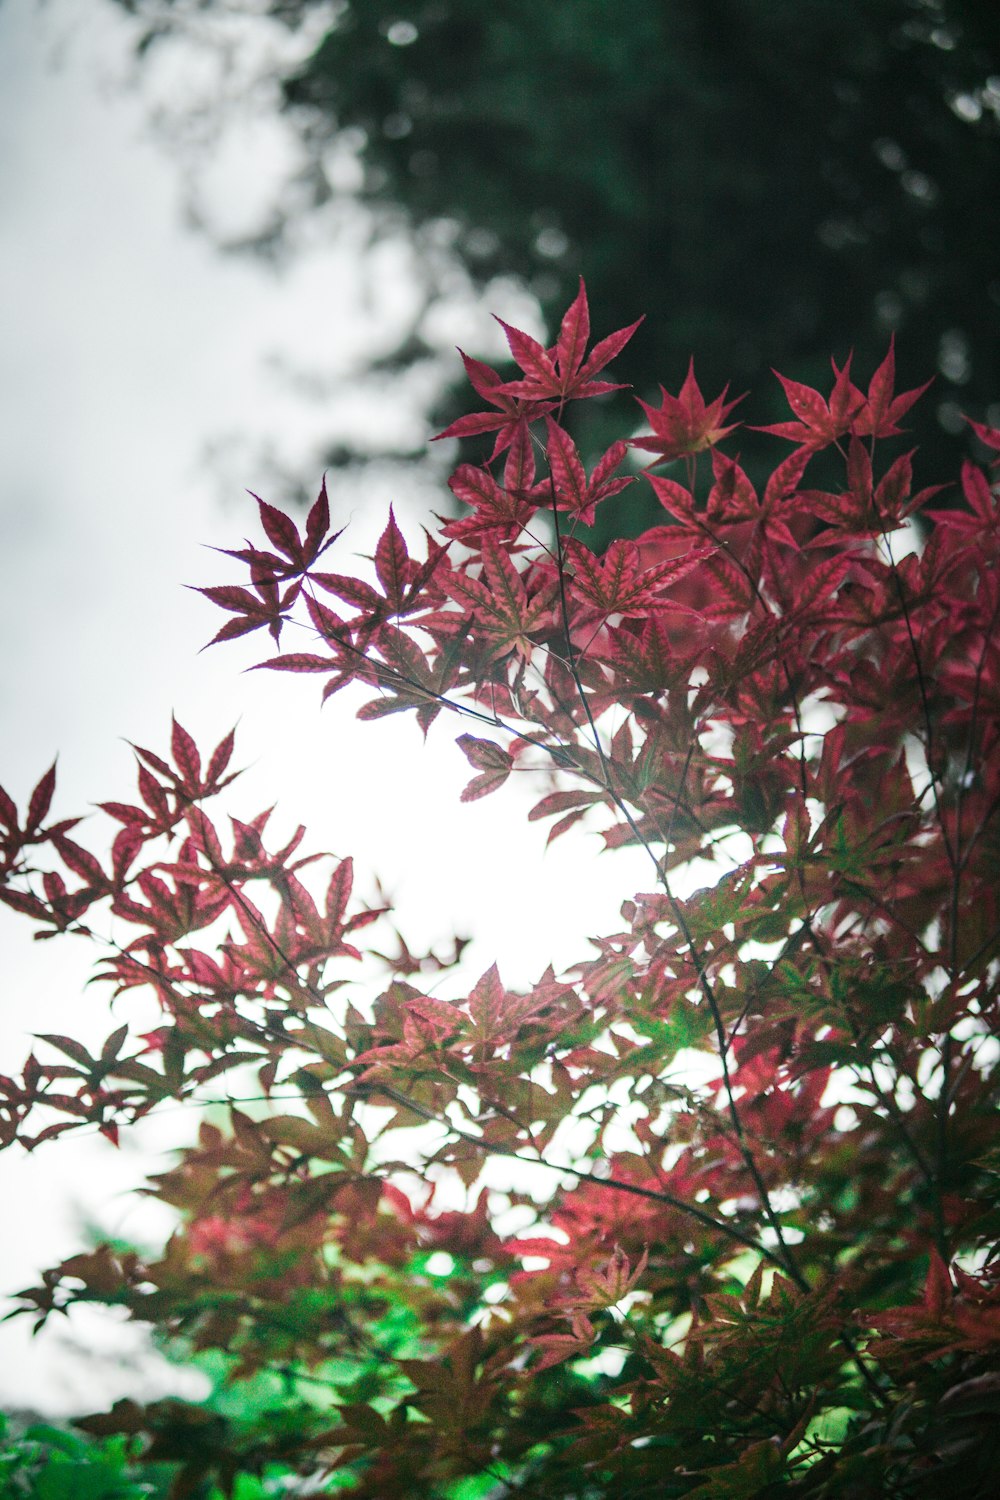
<point>130,348</point>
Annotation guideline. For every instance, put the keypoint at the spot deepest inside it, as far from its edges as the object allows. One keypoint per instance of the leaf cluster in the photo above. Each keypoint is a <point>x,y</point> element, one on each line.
<point>764,1259</point>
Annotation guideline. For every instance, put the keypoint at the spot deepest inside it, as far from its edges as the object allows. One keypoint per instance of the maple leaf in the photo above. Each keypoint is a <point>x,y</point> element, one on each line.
<point>616,585</point>
<point>573,490</point>
<point>963,1314</point>
<point>644,657</point>
<point>983,515</point>
<point>519,466</point>
<point>496,1015</point>
<point>606,1288</point>
<point>410,678</point>
<point>493,762</point>
<point>867,509</point>
<point>820,422</point>
<point>40,802</point>
<point>403,580</point>
<point>511,415</point>
<point>572,805</point>
<point>562,373</point>
<point>881,410</point>
<point>346,660</point>
<point>188,779</point>
<point>499,512</point>
<point>557,1347</point>
<point>82,863</point>
<point>322,935</point>
<point>250,859</point>
<point>297,554</point>
<point>988,436</point>
<point>194,901</point>
<point>732,497</point>
<point>683,424</point>
<point>16,838</point>
<point>502,605</point>
<point>267,606</point>
<point>185,779</point>
<point>678,502</point>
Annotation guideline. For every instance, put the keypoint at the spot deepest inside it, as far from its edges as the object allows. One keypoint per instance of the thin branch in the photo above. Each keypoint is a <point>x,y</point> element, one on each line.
<point>704,983</point>
<point>720,1226</point>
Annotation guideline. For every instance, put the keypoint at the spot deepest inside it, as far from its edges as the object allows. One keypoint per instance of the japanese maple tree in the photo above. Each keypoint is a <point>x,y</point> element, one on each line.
<point>766,1105</point>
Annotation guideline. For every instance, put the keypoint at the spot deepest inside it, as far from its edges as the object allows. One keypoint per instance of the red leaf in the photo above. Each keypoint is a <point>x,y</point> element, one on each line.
<point>859,470</point>
<point>41,800</point>
<point>603,353</point>
<point>296,661</point>
<point>330,626</point>
<point>68,1046</point>
<point>938,1292</point>
<point>821,582</point>
<point>124,850</point>
<point>473,425</point>
<point>281,531</point>
<point>560,374</point>
<point>354,590</point>
<point>568,473</point>
<point>186,757</point>
<point>23,902</point>
<point>574,332</point>
<point>881,411</point>
<point>482,785</point>
<point>229,596</point>
<point>154,797</point>
<point>8,812</point>
<point>510,413</point>
<point>977,491</point>
<point>124,812</point>
<point>80,861</point>
<point>989,436</point>
<point>221,756</point>
<point>391,562</point>
<point>564,825</point>
<point>485,755</point>
<point>807,404</point>
<point>317,524</point>
<point>614,584</point>
<point>675,499</point>
<point>533,359</point>
<point>819,423</point>
<point>338,893</point>
<point>234,628</point>
<point>519,470</point>
<point>736,596</point>
<point>557,802</point>
<point>475,485</point>
<point>491,759</point>
<point>607,463</point>
<point>879,393</point>
<point>684,424</point>
<point>785,478</point>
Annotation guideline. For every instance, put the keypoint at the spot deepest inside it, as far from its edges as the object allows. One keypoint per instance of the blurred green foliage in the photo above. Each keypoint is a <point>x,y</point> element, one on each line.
<point>41,1461</point>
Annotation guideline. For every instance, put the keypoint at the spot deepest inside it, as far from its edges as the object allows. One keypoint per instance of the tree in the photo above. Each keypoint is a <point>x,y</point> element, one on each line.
<point>773,180</point>
<point>766,1258</point>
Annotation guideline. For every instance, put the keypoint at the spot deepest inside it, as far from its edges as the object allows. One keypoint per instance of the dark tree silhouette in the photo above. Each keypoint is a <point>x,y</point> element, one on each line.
<point>771,179</point>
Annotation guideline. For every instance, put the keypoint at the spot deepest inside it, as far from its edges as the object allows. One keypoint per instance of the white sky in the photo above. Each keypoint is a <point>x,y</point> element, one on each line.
<point>127,346</point>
